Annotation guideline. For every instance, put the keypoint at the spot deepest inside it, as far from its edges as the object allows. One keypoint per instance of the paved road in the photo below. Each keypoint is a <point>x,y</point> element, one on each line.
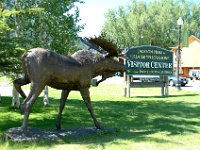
<point>6,88</point>
<point>191,86</point>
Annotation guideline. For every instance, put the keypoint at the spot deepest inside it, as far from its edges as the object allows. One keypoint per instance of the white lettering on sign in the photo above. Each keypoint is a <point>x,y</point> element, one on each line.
<point>161,65</point>
<point>152,64</point>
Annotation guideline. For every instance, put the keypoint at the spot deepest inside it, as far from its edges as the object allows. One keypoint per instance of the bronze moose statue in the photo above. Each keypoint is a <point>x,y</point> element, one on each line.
<point>43,67</point>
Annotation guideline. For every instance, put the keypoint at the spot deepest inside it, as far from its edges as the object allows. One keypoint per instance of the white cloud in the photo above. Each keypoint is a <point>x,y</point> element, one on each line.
<point>92,14</point>
<point>93,18</point>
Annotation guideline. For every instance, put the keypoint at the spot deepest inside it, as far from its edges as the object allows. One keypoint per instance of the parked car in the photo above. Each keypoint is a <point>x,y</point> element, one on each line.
<point>173,80</point>
<point>194,74</point>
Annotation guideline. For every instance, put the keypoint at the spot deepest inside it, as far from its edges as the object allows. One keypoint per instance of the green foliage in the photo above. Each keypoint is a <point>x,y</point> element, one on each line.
<point>151,23</point>
<point>9,51</point>
<point>42,23</point>
<point>145,121</point>
<point>26,24</point>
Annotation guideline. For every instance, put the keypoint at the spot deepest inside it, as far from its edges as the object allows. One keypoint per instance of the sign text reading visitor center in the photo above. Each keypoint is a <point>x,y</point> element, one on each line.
<point>149,60</point>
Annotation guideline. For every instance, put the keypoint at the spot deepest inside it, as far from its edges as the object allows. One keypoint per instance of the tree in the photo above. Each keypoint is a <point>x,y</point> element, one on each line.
<point>25,24</point>
<point>47,27</point>
<point>9,51</point>
<point>151,23</point>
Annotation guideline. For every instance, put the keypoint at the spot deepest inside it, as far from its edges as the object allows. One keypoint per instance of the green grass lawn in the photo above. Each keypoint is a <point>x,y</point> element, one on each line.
<point>145,121</point>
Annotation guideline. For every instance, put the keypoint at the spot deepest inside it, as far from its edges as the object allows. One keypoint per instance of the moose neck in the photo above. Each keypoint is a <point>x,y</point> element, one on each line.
<point>100,67</point>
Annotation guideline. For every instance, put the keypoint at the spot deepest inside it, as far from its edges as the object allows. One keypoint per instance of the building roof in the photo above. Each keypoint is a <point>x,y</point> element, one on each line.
<point>191,39</point>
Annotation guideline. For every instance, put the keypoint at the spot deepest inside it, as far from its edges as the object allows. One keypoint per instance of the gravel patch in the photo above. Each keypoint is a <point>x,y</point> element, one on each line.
<point>36,134</point>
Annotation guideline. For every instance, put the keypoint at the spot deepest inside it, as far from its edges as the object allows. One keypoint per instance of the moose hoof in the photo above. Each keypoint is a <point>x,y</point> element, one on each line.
<point>99,127</point>
<point>58,127</point>
<point>24,129</point>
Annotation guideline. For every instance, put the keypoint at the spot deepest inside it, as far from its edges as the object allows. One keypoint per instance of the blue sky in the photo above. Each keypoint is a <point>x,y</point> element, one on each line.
<point>92,14</point>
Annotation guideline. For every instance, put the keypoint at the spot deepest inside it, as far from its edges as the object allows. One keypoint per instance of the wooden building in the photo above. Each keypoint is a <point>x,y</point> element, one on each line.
<point>189,56</point>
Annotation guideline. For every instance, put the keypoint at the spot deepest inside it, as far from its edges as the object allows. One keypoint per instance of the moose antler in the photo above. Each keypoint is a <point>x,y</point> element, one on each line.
<point>106,45</point>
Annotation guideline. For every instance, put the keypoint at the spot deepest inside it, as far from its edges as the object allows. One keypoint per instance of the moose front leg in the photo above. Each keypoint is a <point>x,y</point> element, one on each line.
<point>63,99</point>
<point>86,97</point>
<point>105,75</point>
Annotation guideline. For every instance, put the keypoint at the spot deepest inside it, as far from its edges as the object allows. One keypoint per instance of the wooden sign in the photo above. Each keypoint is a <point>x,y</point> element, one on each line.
<point>149,60</point>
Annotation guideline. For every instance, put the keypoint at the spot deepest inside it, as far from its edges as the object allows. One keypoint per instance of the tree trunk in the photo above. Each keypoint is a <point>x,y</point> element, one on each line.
<point>46,96</point>
<point>15,100</point>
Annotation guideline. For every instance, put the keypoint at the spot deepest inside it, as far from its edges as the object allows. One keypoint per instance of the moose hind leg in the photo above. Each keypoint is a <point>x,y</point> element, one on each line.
<point>20,82</point>
<point>35,90</point>
<point>63,99</point>
<point>23,105</point>
<point>86,97</point>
